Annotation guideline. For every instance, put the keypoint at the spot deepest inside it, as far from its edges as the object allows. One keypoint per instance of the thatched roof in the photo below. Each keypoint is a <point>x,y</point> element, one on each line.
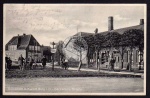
<point>120,31</point>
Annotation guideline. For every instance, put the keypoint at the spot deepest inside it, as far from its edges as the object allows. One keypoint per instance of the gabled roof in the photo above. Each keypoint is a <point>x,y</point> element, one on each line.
<point>22,41</point>
<point>121,30</point>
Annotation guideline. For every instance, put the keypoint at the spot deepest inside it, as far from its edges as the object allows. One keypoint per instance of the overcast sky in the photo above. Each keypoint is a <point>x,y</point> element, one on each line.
<point>49,22</point>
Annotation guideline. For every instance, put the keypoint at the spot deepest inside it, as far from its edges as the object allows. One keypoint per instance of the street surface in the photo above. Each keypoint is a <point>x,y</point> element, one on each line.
<point>75,85</point>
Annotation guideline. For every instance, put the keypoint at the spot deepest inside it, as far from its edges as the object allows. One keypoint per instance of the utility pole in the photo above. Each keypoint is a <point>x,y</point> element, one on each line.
<point>53,43</point>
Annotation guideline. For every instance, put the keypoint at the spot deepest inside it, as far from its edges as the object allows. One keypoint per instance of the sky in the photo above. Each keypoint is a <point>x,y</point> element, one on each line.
<point>55,22</point>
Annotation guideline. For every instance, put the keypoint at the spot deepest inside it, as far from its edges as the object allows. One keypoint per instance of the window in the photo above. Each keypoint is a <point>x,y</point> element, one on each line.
<point>36,48</point>
<point>9,48</point>
<point>140,56</point>
<point>39,48</point>
<point>103,58</point>
<point>29,47</point>
<point>32,47</point>
<point>12,47</point>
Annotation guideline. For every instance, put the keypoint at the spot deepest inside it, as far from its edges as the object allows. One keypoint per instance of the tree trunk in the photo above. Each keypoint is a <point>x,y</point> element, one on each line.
<point>130,65</point>
<point>88,61</point>
<point>96,56</point>
<point>99,61</point>
<point>53,63</point>
<point>80,64</point>
<point>88,58</point>
<point>80,61</point>
<point>59,60</point>
<point>122,61</point>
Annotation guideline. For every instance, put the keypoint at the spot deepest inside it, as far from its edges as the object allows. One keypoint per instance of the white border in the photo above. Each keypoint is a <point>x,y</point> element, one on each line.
<point>80,94</point>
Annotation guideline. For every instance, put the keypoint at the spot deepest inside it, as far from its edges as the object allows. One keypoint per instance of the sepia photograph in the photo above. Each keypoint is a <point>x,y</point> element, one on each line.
<point>74,49</point>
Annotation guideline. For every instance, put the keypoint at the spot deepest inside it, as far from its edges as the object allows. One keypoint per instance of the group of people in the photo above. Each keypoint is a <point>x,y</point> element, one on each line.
<point>31,61</point>
<point>23,63</point>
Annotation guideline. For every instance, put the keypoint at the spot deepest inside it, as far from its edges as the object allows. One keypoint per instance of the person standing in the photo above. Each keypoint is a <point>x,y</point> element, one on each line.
<point>9,63</point>
<point>44,62</point>
<point>20,62</point>
<point>66,64</point>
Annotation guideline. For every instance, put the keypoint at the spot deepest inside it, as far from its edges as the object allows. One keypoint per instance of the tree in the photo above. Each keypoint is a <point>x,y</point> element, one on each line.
<point>89,39</point>
<point>90,42</point>
<point>95,43</point>
<point>141,42</point>
<point>99,42</point>
<point>132,38</point>
<point>112,40</point>
<point>78,43</point>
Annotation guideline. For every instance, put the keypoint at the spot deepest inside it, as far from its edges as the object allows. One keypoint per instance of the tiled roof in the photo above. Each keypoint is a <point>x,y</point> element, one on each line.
<point>12,42</point>
<point>22,41</point>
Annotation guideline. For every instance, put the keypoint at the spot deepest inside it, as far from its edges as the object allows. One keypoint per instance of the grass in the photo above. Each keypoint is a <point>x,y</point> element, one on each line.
<point>58,72</point>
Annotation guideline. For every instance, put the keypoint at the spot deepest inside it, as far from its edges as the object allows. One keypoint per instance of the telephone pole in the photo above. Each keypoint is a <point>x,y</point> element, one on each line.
<point>53,44</point>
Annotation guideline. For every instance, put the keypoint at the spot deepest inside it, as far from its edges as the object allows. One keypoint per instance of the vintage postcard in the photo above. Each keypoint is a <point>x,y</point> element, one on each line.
<point>74,49</point>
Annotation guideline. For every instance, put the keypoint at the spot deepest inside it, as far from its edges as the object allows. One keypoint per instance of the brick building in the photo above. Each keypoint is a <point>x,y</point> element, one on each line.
<point>24,44</point>
<point>137,56</point>
<point>46,51</point>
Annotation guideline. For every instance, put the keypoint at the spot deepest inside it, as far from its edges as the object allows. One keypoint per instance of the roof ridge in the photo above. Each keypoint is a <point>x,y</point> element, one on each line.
<point>126,27</point>
<point>120,28</point>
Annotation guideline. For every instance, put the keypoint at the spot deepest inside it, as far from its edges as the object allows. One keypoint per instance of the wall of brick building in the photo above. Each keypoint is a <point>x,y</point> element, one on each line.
<point>32,53</point>
<point>126,59</point>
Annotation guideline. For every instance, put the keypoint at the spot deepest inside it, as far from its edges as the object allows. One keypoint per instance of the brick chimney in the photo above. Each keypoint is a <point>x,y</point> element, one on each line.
<point>110,23</point>
<point>141,21</point>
